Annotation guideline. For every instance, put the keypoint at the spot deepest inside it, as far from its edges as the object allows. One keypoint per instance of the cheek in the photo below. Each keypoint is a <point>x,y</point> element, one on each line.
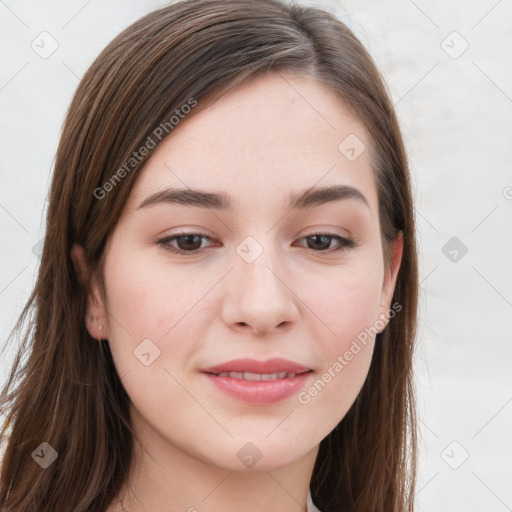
<point>150,306</point>
<point>346,301</point>
<point>348,307</point>
<point>156,318</point>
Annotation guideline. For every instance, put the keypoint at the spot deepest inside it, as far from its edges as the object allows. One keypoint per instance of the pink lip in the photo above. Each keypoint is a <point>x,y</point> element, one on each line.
<point>259,392</point>
<point>274,365</point>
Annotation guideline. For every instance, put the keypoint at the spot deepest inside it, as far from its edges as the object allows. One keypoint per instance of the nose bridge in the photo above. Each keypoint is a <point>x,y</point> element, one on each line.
<point>258,294</point>
<point>258,262</point>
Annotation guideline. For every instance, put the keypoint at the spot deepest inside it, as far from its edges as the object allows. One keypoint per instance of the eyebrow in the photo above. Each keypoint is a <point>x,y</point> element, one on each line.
<point>307,198</point>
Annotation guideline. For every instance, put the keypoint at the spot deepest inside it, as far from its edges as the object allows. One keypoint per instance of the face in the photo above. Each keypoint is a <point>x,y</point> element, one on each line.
<point>258,281</point>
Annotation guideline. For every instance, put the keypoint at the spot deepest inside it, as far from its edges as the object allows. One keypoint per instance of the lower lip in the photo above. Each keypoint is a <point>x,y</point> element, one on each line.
<point>259,391</point>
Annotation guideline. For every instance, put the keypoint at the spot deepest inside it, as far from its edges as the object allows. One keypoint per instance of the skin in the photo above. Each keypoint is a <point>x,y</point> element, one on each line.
<point>258,143</point>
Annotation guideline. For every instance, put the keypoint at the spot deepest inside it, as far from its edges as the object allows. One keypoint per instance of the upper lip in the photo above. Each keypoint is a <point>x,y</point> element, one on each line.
<point>270,366</point>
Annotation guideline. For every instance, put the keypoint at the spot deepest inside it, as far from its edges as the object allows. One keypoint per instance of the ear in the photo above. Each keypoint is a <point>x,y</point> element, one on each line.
<point>96,315</point>
<point>390,275</point>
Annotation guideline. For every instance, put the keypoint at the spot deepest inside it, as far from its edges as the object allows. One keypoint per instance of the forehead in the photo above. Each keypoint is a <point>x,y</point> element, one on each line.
<point>265,138</point>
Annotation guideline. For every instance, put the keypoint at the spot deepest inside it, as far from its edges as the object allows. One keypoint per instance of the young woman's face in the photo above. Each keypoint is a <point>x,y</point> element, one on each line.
<point>255,283</point>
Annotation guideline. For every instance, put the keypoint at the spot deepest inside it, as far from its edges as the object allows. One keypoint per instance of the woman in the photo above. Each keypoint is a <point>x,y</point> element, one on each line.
<point>225,310</point>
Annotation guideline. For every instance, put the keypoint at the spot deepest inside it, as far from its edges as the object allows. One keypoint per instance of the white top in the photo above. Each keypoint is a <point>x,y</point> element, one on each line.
<point>311,507</point>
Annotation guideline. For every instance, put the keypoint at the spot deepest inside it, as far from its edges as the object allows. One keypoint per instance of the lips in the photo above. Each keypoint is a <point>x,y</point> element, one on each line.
<point>256,376</point>
<point>258,382</point>
<point>251,366</point>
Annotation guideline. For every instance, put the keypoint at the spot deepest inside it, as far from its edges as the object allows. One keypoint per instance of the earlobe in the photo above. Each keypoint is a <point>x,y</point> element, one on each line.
<point>96,317</point>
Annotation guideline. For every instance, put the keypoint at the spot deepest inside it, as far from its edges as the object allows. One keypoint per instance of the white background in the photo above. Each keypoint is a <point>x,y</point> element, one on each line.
<point>456,118</point>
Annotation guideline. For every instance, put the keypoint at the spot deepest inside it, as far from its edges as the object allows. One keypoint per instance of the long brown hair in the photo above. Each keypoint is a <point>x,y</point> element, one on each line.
<point>68,393</point>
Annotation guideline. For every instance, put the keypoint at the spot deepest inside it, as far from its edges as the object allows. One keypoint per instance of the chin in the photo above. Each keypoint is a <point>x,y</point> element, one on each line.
<point>257,453</point>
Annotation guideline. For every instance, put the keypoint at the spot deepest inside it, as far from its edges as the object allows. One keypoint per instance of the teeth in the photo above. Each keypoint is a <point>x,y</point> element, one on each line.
<point>252,376</point>
<point>257,376</point>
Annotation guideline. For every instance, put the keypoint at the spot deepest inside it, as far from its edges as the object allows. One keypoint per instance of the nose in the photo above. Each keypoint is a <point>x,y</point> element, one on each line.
<point>260,297</point>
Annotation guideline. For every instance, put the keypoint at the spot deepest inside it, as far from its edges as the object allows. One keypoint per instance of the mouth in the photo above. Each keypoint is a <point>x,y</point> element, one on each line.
<point>258,376</point>
<point>274,368</point>
<point>258,382</point>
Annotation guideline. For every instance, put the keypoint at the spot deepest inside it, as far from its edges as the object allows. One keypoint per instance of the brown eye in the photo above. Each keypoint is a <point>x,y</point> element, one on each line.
<point>187,243</point>
<point>321,242</point>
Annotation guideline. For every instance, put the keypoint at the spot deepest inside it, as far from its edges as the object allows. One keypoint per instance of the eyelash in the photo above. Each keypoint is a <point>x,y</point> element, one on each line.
<point>345,243</point>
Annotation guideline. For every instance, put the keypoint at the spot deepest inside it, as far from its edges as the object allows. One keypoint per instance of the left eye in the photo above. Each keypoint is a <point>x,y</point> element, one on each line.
<point>187,241</point>
<point>190,243</point>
